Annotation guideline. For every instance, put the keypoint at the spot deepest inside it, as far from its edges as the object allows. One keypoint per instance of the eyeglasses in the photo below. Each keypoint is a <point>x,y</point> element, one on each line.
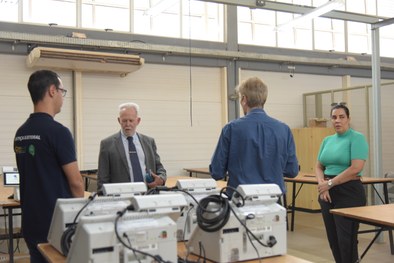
<point>338,103</point>
<point>64,91</point>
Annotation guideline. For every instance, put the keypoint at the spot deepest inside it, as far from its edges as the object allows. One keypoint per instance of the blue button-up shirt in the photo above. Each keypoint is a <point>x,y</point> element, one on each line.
<point>255,149</point>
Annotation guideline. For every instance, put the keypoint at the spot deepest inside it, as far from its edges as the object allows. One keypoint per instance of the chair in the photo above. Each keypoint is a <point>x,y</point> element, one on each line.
<point>390,186</point>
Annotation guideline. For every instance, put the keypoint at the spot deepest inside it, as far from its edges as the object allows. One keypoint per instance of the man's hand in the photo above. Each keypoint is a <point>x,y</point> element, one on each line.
<point>157,181</point>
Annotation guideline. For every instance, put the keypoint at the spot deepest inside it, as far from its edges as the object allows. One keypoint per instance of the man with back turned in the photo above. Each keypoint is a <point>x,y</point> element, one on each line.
<point>256,148</point>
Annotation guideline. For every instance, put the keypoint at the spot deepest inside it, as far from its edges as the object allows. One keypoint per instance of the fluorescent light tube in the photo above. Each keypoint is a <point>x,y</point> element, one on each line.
<point>318,11</point>
<point>160,7</point>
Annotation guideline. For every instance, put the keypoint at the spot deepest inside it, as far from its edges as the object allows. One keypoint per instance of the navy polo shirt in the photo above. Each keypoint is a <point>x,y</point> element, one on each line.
<point>42,145</point>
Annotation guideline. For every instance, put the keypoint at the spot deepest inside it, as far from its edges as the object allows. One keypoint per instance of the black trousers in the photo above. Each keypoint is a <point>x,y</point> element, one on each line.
<point>35,254</point>
<point>342,232</point>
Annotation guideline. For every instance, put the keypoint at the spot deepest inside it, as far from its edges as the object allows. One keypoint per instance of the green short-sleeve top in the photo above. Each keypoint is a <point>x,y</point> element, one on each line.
<point>338,150</point>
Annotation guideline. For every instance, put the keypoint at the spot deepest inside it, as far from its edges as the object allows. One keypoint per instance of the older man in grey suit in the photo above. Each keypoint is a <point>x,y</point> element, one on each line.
<point>115,164</point>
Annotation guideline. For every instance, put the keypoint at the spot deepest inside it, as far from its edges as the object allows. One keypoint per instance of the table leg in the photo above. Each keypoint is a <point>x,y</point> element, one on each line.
<point>391,241</point>
<point>10,235</point>
<point>386,199</point>
<point>287,209</point>
<point>86,184</point>
<point>293,207</point>
<point>371,243</point>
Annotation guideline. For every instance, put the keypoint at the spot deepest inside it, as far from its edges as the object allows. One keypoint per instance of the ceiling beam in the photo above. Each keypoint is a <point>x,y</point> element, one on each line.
<point>168,50</point>
<point>299,9</point>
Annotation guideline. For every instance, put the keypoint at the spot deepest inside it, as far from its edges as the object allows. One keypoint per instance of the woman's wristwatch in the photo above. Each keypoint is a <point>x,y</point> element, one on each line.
<point>330,183</point>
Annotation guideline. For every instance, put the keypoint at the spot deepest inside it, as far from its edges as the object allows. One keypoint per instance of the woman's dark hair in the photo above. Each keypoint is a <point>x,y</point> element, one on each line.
<point>39,83</point>
<point>340,106</point>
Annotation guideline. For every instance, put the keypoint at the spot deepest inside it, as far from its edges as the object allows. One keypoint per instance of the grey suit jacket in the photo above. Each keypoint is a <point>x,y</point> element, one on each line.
<point>112,163</point>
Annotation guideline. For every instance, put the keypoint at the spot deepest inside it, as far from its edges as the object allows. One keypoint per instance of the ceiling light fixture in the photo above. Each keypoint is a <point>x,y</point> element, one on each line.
<point>318,11</point>
<point>160,7</point>
<point>8,2</point>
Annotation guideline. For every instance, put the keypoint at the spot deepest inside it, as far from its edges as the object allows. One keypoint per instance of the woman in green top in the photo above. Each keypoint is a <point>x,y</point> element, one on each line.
<point>339,168</point>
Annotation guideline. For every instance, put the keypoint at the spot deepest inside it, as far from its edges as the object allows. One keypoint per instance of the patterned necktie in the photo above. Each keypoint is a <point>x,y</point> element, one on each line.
<point>135,163</point>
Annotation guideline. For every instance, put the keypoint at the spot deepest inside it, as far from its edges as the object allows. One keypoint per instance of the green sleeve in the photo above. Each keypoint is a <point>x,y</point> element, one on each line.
<point>359,147</point>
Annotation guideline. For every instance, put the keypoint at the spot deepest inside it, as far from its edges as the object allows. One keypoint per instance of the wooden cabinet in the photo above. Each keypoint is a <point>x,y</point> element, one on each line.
<point>307,142</point>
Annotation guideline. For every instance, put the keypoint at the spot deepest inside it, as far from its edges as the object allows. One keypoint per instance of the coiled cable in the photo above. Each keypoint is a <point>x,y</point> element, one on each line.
<point>213,212</point>
<point>66,239</point>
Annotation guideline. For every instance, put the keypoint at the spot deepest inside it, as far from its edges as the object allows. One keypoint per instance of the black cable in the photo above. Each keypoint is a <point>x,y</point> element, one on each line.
<point>157,258</point>
<point>152,191</point>
<point>183,260</point>
<point>272,238</point>
<point>213,219</point>
<point>213,212</point>
<point>202,250</point>
<point>157,189</point>
<point>186,221</point>
<point>134,253</point>
<point>66,239</point>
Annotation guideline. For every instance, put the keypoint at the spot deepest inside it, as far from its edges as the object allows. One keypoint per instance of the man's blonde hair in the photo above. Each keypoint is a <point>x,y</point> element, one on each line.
<point>254,90</point>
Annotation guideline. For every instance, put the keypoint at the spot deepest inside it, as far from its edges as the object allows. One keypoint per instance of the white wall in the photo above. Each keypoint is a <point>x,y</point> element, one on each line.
<point>16,105</point>
<point>284,100</point>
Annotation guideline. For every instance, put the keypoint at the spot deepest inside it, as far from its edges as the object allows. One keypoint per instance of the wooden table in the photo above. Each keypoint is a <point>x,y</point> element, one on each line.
<point>53,256</point>
<point>304,178</point>
<point>88,175</point>
<point>381,216</point>
<point>276,259</point>
<point>50,253</point>
<point>197,171</point>
<point>9,205</point>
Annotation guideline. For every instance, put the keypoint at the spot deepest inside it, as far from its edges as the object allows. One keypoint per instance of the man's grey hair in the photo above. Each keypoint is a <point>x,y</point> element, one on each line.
<point>129,105</point>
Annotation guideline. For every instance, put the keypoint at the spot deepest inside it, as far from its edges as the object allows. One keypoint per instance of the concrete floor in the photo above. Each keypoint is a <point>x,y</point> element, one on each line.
<point>308,241</point>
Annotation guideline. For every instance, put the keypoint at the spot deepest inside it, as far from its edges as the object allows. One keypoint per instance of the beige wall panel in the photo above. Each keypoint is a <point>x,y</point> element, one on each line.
<point>16,105</point>
<point>284,100</point>
<point>185,133</point>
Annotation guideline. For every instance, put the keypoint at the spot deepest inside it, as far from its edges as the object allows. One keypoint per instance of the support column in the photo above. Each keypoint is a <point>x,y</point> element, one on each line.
<point>77,109</point>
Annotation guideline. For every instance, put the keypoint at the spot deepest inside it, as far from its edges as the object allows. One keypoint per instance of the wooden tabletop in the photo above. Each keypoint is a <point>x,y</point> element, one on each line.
<point>311,179</point>
<point>50,253</point>
<point>307,178</point>
<point>5,192</point>
<point>197,170</point>
<point>275,259</point>
<point>53,256</point>
<point>382,215</point>
<point>303,178</point>
<point>89,176</point>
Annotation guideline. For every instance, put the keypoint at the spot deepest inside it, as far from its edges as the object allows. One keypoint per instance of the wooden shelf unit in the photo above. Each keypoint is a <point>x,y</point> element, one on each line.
<point>307,142</point>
